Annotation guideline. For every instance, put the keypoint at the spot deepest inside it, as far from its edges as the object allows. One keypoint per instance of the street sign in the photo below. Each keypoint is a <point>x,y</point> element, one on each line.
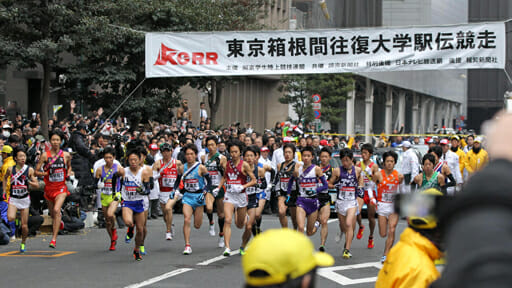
<point>316,98</point>
<point>317,106</point>
<point>317,114</point>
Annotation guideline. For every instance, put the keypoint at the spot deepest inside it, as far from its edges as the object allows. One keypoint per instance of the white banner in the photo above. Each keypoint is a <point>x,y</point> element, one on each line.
<point>471,46</point>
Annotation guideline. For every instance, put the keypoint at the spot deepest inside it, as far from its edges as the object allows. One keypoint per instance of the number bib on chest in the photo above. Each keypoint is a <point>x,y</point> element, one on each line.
<point>347,193</point>
<point>57,175</point>
<point>19,190</point>
<point>191,185</point>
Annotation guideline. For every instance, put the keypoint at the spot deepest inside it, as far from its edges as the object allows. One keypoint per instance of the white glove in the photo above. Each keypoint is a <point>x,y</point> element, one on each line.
<point>215,192</point>
<point>74,181</point>
<point>101,185</point>
<point>178,195</point>
<point>238,188</point>
<point>373,201</point>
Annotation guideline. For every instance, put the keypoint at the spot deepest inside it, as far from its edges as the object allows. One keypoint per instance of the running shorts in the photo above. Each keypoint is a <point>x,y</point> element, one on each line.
<point>239,200</point>
<point>106,199</point>
<point>163,197</point>
<point>51,195</point>
<point>193,200</point>
<point>252,201</point>
<point>385,209</point>
<point>324,199</point>
<point>342,206</point>
<point>20,203</point>
<point>136,206</point>
<point>310,205</point>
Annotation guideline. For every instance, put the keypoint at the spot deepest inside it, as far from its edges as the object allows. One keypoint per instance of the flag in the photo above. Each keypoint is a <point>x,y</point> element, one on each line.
<point>56,108</point>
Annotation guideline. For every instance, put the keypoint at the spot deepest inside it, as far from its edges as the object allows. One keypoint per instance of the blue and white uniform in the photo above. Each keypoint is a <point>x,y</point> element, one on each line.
<point>193,186</point>
<point>131,198</point>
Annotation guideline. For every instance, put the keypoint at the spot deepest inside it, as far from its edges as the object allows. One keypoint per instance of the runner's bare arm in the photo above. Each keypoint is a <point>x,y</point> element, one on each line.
<point>246,169</point>
<point>42,161</point>
<point>418,178</point>
<point>360,178</point>
<point>334,177</point>
<point>32,179</point>
<point>440,179</point>
<point>67,158</point>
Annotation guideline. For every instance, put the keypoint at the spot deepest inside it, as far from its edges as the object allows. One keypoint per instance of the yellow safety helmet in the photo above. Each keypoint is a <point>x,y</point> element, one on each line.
<point>279,255</point>
<point>424,219</point>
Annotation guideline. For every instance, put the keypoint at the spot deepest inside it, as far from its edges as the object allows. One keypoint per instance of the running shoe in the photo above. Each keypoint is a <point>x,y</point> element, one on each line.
<point>114,234</point>
<point>142,250</point>
<point>382,259</point>
<point>188,250</point>
<point>221,242</point>
<point>212,230</point>
<point>346,254</point>
<point>22,248</point>
<point>168,236</point>
<point>129,235</point>
<point>317,224</point>
<point>338,237</point>
<point>242,251</point>
<point>258,230</point>
<point>112,245</point>
<point>53,244</point>
<point>227,252</point>
<point>136,255</point>
<point>322,248</point>
<point>360,232</point>
<point>370,243</point>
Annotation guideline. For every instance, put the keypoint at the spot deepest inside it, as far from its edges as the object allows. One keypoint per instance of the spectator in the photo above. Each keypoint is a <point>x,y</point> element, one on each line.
<point>82,157</point>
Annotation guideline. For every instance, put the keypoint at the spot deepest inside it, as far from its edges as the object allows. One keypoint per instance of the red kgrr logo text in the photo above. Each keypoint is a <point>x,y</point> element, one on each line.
<point>176,57</point>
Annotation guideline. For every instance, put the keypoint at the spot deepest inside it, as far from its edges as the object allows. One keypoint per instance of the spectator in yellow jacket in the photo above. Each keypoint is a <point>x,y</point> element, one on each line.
<point>8,162</point>
<point>411,263</point>
<point>477,157</point>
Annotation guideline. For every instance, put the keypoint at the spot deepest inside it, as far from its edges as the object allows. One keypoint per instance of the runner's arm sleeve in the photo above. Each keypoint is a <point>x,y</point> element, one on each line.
<point>324,186</point>
<point>208,182</point>
<point>370,190</point>
<point>151,182</point>
<point>146,188</point>
<point>272,175</point>
<point>263,184</point>
<point>177,182</point>
<point>452,182</point>
<point>290,185</point>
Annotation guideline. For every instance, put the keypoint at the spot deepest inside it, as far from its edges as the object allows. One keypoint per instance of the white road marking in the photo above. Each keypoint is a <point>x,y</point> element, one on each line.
<point>218,258</point>
<point>160,278</point>
<point>330,273</point>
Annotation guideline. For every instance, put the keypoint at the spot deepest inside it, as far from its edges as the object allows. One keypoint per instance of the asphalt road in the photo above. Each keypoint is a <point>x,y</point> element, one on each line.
<point>83,260</point>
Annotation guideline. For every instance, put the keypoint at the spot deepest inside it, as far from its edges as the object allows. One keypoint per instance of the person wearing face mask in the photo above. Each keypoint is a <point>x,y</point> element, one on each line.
<point>477,157</point>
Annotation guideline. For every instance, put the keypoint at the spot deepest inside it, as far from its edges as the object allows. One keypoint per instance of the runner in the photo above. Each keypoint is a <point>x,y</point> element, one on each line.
<point>264,194</point>
<point>55,167</point>
<point>388,183</point>
<point>136,187</point>
<point>308,177</point>
<point>349,181</point>
<point>21,176</point>
<point>285,171</point>
<point>251,155</point>
<point>168,176</point>
<point>192,183</point>
<point>235,199</point>
<point>369,168</point>
<point>214,162</point>
<point>324,198</point>
<point>442,167</point>
<point>106,176</point>
<point>143,154</point>
<point>452,160</point>
<point>429,178</point>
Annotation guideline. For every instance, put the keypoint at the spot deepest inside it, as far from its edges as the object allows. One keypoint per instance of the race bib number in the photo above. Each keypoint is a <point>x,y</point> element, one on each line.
<point>57,176</point>
<point>214,175</point>
<point>388,197</point>
<point>191,184</point>
<point>131,192</point>
<point>347,193</point>
<point>19,190</point>
<point>168,182</point>
<point>309,189</point>
<point>284,183</point>
<point>250,190</point>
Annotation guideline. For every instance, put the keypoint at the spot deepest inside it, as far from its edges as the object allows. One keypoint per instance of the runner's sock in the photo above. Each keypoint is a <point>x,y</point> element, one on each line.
<point>210,217</point>
<point>258,222</point>
<point>221,225</point>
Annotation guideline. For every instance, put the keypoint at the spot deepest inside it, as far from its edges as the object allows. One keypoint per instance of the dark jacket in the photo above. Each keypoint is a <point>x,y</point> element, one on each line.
<point>81,160</point>
<point>479,231</point>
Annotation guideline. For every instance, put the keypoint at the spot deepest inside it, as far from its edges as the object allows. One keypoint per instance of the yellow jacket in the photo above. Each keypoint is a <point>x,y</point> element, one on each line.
<point>463,161</point>
<point>8,163</point>
<point>476,161</point>
<point>410,263</point>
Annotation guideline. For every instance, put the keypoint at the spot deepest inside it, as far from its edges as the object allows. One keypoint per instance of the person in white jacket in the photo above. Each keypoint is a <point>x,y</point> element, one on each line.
<point>452,159</point>
<point>409,166</point>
